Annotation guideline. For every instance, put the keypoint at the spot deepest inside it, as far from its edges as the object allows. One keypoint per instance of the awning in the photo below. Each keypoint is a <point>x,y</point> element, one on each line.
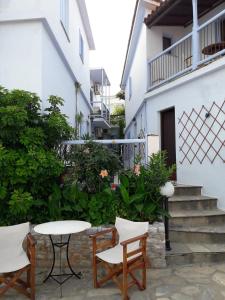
<point>178,12</point>
<point>99,76</point>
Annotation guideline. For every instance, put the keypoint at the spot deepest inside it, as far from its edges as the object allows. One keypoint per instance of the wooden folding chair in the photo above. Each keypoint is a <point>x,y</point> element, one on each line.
<point>14,260</point>
<point>122,258</point>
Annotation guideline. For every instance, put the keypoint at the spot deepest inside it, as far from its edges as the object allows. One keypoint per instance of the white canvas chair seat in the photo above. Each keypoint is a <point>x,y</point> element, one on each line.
<point>114,255</point>
<point>12,255</point>
<point>11,264</point>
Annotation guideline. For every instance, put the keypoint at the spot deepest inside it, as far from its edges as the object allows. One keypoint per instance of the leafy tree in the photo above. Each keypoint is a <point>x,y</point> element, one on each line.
<point>30,163</point>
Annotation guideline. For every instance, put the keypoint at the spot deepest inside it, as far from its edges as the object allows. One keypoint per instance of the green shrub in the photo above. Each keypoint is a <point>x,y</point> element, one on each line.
<point>140,198</point>
<point>30,165</point>
<point>86,162</point>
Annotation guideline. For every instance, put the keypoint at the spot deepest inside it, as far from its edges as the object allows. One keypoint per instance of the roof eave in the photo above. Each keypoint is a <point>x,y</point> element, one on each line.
<point>86,23</point>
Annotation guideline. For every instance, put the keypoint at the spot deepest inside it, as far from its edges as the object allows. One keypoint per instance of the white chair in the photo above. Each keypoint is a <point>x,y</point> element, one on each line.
<point>124,257</point>
<point>14,260</point>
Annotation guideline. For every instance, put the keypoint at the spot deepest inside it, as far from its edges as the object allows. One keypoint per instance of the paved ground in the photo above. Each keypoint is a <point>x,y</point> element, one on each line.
<point>206,282</point>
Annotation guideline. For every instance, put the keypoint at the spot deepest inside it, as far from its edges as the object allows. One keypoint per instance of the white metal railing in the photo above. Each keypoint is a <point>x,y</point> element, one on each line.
<point>101,110</point>
<point>127,149</point>
<point>185,55</point>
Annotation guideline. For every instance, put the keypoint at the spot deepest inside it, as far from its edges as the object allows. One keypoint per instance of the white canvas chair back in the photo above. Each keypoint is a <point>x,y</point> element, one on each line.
<point>12,255</point>
<point>129,229</point>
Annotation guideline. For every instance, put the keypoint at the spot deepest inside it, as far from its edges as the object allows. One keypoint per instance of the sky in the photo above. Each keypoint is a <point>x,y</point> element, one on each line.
<point>110,22</point>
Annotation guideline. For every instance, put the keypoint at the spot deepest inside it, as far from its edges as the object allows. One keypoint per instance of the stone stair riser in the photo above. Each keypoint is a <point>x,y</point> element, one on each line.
<point>200,237</point>
<point>192,205</point>
<point>187,191</point>
<point>198,221</point>
<point>195,258</point>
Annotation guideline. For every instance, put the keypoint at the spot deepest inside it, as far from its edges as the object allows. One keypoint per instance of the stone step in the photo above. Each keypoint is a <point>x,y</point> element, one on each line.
<point>190,253</point>
<point>188,190</point>
<point>192,203</point>
<point>197,218</point>
<point>200,234</point>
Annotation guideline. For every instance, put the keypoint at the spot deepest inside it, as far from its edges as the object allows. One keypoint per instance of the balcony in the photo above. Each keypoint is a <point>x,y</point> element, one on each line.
<point>100,115</point>
<point>204,44</point>
<point>100,99</point>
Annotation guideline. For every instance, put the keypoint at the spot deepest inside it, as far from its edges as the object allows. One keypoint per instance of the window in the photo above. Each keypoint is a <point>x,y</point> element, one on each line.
<point>64,15</point>
<point>167,42</point>
<point>81,47</point>
<point>129,88</point>
<point>222,29</point>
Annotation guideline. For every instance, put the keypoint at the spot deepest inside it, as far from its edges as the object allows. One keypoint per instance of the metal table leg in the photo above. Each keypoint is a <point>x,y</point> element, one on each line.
<point>69,274</point>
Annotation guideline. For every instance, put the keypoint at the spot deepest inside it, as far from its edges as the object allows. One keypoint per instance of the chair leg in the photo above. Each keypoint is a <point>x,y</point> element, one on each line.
<point>144,277</point>
<point>95,273</point>
<point>125,282</point>
<point>31,281</point>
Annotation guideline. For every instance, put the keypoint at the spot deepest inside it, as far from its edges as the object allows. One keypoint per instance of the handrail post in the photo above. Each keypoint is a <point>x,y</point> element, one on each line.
<point>166,223</point>
<point>195,36</point>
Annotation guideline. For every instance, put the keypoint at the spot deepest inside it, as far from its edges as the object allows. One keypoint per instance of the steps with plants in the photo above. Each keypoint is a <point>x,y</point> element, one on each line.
<point>197,228</point>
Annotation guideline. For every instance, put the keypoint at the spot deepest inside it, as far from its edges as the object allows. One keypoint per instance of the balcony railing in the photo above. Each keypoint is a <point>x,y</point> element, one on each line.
<point>182,57</point>
<point>100,110</point>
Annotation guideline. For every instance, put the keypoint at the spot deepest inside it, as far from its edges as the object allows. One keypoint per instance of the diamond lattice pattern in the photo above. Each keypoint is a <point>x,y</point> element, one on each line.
<point>202,134</point>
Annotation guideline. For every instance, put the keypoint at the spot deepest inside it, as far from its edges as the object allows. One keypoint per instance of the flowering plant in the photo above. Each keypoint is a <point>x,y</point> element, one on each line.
<point>140,197</point>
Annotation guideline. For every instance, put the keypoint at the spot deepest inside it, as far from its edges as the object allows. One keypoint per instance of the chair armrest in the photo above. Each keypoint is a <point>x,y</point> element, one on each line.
<point>106,244</point>
<point>141,250</point>
<point>103,232</point>
<point>134,239</point>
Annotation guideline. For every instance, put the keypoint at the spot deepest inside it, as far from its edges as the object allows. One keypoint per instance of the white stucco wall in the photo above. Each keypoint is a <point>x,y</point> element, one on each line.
<point>138,74</point>
<point>201,87</point>
<point>20,56</point>
<point>36,55</point>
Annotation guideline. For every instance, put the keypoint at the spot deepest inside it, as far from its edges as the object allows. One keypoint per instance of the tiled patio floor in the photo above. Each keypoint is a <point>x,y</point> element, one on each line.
<point>205,282</point>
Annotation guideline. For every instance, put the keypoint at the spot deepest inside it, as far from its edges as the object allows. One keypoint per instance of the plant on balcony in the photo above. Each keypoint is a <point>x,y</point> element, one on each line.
<point>30,164</point>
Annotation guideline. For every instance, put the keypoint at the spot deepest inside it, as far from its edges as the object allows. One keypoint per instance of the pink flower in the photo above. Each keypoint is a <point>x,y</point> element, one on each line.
<point>137,169</point>
<point>104,173</point>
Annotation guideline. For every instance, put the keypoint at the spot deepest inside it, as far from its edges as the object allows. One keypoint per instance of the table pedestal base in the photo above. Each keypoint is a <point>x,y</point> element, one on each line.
<point>68,275</point>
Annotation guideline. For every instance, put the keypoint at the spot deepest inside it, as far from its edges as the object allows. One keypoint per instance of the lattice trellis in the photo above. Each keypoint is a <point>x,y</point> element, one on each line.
<point>202,134</point>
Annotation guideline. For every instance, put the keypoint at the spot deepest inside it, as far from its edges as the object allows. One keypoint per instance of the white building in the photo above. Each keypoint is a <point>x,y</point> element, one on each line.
<point>44,48</point>
<point>174,81</point>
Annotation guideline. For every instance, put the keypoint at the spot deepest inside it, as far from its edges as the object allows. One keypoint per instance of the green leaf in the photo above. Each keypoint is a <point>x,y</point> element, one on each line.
<point>124,194</point>
<point>124,180</point>
<point>136,197</point>
<point>139,207</point>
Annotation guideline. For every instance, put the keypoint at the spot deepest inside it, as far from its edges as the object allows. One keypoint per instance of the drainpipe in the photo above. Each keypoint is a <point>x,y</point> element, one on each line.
<point>77,88</point>
<point>195,36</point>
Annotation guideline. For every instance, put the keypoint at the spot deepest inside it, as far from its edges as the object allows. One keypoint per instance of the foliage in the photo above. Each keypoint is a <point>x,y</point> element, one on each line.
<point>86,162</point>
<point>30,165</point>
<point>140,189</point>
<point>119,110</point>
<point>97,208</point>
<point>118,119</point>
<point>121,95</point>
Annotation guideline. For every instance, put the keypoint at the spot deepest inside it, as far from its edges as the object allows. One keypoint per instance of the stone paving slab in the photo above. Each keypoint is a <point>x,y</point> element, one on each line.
<point>193,282</point>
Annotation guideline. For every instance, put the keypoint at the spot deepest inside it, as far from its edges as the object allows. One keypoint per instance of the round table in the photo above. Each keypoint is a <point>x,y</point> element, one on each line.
<point>213,48</point>
<point>60,228</point>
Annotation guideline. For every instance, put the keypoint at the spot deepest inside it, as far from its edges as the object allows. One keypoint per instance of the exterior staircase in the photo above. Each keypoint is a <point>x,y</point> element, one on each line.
<point>197,228</point>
